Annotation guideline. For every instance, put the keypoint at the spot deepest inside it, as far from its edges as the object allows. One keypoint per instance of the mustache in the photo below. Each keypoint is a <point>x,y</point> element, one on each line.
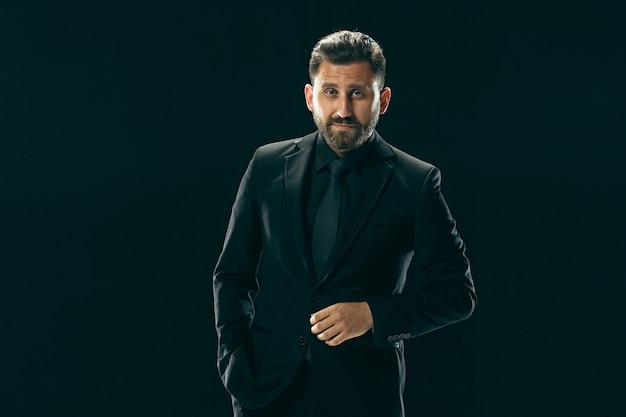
<point>343,121</point>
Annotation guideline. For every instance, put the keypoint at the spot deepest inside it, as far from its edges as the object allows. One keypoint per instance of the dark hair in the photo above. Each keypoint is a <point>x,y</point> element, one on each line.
<point>347,47</point>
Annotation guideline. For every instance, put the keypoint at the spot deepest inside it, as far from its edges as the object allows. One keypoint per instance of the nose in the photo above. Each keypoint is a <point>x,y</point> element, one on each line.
<point>345,108</point>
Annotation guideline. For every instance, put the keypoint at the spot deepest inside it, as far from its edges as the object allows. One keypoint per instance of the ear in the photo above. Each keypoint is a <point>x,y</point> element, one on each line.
<point>385,98</point>
<point>308,96</point>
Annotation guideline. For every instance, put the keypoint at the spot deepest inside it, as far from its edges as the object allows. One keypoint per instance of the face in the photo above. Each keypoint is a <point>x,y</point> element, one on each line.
<point>346,102</point>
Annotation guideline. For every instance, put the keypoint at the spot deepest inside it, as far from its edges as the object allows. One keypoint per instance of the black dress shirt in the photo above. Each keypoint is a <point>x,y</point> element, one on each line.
<point>319,177</point>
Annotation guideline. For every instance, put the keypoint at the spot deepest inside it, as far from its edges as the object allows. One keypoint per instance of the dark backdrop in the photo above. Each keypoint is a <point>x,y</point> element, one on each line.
<point>125,128</point>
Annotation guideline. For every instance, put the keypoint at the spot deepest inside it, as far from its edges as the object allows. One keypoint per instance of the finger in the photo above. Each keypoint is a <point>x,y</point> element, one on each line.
<point>322,325</point>
<point>320,315</point>
<point>336,341</point>
<point>329,333</point>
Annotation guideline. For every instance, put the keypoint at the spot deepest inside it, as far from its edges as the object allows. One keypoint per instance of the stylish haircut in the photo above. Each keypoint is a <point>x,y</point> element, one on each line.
<point>348,47</point>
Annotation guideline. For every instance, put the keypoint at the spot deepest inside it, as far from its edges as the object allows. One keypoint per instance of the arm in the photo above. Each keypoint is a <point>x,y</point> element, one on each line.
<point>234,282</point>
<point>439,289</point>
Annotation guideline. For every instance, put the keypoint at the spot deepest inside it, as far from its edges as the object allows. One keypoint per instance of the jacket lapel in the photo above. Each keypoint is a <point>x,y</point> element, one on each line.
<point>373,183</point>
<point>295,170</point>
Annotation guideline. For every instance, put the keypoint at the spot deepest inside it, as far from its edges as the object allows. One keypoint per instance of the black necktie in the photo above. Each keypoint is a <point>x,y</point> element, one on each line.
<point>327,218</point>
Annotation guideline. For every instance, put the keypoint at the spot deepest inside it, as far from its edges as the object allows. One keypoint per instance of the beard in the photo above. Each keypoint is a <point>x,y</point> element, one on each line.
<point>346,140</point>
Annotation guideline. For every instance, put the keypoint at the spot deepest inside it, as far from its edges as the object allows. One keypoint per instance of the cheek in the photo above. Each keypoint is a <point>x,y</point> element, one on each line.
<point>366,111</point>
<point>375,109</point>
<point>318,108</point>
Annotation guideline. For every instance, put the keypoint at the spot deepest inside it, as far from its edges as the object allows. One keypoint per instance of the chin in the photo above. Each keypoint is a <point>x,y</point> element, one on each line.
<point>348,145</point>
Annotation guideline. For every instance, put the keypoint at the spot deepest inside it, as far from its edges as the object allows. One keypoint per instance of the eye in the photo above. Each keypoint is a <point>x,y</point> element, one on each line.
<point>330,92</point>
<point>357,93</point>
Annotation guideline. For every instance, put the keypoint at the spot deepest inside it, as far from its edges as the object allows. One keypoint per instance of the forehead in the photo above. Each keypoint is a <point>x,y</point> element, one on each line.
<point>359,73</point>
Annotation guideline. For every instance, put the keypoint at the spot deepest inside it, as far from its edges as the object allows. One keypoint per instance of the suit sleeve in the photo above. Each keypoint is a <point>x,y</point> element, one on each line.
<point>234,281</point>
<point>439,289</point>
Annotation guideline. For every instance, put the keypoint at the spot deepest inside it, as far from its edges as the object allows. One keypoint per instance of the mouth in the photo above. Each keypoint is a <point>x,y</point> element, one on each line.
<point>344,126</point>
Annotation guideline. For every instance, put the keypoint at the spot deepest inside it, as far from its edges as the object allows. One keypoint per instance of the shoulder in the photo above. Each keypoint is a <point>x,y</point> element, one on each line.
<point>411,172</point>
<point>408,161</point>
<point>282,148</point>
<point>405,163</point>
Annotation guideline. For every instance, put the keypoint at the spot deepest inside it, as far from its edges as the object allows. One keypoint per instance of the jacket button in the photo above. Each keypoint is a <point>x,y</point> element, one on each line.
<point>316,295</point>
<point>301,340</point>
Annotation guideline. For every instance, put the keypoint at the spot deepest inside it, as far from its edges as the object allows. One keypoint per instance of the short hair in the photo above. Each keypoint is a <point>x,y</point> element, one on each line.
<point>347,47</point>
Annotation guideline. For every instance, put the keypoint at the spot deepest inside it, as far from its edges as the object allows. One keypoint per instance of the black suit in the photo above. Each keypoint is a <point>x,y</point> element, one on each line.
<point>398,250</point>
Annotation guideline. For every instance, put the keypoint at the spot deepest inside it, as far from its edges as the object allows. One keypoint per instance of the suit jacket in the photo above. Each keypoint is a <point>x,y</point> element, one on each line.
<point>398,249</point>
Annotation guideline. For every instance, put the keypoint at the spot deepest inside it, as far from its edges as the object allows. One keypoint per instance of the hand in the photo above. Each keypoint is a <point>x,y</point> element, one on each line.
<point>342,321</point>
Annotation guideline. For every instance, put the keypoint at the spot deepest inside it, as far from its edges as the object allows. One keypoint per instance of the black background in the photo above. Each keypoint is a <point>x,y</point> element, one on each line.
<point>125,128</point>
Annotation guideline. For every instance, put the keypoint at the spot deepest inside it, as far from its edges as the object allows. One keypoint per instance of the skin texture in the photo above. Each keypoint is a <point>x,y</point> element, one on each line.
<point>346,102</point>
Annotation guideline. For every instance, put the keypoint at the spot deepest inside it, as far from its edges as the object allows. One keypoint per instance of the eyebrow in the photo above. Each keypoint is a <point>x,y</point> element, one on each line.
<point>350,86</point>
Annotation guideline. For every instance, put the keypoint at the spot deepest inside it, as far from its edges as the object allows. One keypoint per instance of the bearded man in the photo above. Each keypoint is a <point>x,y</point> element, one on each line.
<point>339,247</point>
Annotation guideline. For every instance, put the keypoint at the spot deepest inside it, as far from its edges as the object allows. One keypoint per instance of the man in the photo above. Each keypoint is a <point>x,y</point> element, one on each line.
<point>324,274</point>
